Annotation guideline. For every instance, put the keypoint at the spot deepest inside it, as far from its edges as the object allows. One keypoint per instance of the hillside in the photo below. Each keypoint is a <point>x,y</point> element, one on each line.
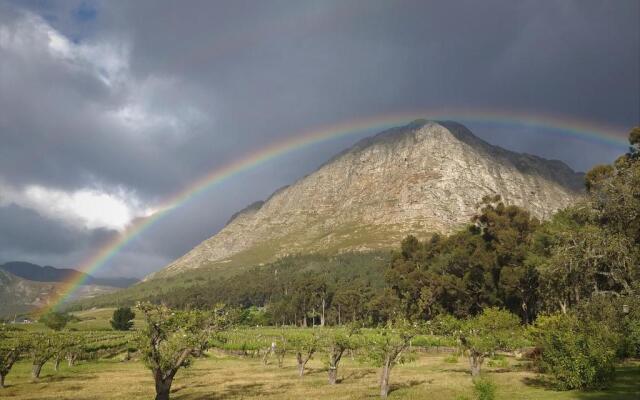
<point>421,178</point>
<point>37,273</point>
<point>19,295</point>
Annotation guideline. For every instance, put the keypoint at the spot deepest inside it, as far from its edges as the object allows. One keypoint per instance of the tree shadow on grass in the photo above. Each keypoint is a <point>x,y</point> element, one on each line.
<point>626,386</point>
<point>407,385</point>
<point>236,391</point>
<point>50,378</point>
<point>357,374</point>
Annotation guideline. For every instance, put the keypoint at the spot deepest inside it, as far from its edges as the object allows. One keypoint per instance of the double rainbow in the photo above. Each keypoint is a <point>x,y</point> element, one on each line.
<point>570,127</point>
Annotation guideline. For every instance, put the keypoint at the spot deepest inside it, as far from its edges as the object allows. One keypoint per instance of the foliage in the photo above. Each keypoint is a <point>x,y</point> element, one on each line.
<point>335,343</point>
<point>579,353</point>
<point>487,333</point>
<point>481,266</point>
<point>484,389</point>
<point>11,348</point>
<point>122,319</point>
<point>55,320</point>
<point>387,348</point>
<point>171,339</point>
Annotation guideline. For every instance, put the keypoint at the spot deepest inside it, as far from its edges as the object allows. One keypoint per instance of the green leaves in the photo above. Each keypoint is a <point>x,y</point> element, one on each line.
<point>170,338</point>
<point>55,320</point>
<point>579,353</point>
<point>122,319</point>
<point>493,330</point>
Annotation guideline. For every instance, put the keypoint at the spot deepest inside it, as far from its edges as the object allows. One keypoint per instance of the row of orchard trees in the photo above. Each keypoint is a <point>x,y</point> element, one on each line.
<point>43,347</point>
<point>172,340</point>
<point>578,351</point>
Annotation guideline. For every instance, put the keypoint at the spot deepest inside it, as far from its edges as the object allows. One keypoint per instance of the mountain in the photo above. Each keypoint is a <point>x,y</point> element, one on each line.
<point>418,179</point>
<point>25,286</point>
<point>18,295</point>
<point>38,273</point>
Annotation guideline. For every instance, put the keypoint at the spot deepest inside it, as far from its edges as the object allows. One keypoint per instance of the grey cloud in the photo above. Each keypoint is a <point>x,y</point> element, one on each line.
<point>243,74</point>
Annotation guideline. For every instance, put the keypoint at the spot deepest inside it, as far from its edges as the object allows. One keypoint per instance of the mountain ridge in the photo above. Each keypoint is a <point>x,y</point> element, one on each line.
<point>424,177</point>
<point>46,273</point>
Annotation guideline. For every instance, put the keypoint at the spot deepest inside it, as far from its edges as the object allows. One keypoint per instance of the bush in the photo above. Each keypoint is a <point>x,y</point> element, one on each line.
<point>498,362</point>
<point>484,389</point>
<point>55,320</point>
<point>451,358</point>
<point>122,319</point>
<point>580,354</point>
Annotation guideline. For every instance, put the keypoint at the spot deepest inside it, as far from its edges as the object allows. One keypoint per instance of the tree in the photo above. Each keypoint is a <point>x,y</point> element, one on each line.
<point>478,267</point>
<point>335,343</point>
<point>577,258</point>
<point>580,353</point>
<point>387,347</point>
<point>122,319</point>
<point>55,320</point>
<point>171,339</point>
<point>305,347</point>
<point>42,347</point>
<point>11,348</point>
<point>491,331</point>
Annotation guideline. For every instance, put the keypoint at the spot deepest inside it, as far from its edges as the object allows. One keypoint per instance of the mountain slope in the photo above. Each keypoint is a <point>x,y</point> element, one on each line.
<point>421,178</point>
<point>25,287</point>
<point>37,273</point>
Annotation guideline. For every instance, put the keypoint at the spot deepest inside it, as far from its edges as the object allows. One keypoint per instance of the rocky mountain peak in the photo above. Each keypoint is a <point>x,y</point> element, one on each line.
<point>421,178</point>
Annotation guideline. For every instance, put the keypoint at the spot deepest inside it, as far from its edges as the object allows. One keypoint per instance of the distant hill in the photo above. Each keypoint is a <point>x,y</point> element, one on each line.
<point>37,273</point>
<point>25,287</point>
<point>422,178</point>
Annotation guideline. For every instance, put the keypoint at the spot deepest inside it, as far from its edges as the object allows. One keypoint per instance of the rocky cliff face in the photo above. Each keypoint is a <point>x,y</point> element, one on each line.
<point>421,178</point>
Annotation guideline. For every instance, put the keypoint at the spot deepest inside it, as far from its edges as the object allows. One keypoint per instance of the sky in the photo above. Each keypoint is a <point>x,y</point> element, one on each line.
<point>108,108</point>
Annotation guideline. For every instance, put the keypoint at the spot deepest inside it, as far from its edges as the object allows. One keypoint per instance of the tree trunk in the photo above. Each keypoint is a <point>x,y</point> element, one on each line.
<point>163,387</point>
<point>563,307</point>
<point>56,364</point>
<point>301,364</point>
<point>35,371</point>
<point>384,379</point>
<point>475,362</point>
<point>71,361</point>
<point>265,359</point>
<point>339,319</point>
<point>333,375</point>
<point>525,312</point>
<point>1,381</point>
<point>324,303</point>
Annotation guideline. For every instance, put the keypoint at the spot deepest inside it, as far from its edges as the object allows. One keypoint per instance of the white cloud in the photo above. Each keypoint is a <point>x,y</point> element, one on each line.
<point>85,208</point>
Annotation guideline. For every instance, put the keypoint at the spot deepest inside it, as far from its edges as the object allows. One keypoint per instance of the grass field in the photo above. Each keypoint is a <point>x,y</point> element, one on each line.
<point>221,376</point>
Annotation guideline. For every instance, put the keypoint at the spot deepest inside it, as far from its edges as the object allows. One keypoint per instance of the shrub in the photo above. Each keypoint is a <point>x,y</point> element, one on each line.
<point>122,319</point>
<point>451,358</point>
<point>55,320</point>
<point>580,354</point>
<point>484,389</point>
<point>498,362</point>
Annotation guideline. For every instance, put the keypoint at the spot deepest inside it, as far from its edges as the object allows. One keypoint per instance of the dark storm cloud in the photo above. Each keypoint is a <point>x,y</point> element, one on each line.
<point>27,235</point>
<point>153,94</point>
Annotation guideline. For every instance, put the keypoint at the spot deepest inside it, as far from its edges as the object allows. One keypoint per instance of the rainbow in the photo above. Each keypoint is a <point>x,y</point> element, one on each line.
<point>570,127</point>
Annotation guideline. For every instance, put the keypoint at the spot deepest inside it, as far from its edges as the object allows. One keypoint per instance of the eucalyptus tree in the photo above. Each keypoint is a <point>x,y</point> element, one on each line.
<point>171,339</point>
